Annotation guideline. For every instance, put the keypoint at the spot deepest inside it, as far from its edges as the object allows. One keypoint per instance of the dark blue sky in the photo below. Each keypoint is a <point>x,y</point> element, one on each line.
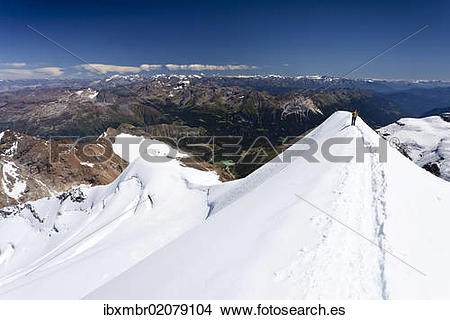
<point>282,37</point>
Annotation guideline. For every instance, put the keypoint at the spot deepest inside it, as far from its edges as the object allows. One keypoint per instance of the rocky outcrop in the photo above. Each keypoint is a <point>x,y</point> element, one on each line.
<point>446,116</point>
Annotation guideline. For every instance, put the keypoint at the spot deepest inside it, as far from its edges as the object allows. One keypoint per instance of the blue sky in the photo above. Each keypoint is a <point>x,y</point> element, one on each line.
<point>228,37</point>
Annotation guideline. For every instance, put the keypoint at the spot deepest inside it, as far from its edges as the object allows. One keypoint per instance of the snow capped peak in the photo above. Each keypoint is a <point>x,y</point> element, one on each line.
<point>316,77</point>
<point>88,94</point>
<point>177,76</point>
<point>115,76</point>
<point>129,77</point>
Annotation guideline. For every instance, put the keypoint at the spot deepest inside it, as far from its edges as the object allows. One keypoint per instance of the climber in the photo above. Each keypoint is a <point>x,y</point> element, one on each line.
<point>354,116</point>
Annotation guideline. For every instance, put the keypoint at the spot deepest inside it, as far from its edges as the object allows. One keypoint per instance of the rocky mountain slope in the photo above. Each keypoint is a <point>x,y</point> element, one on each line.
<point>28,171</point>
<point>211,103</point>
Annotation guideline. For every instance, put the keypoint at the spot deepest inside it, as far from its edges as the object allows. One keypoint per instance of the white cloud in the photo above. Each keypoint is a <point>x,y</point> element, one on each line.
<point>204,67</point>
<point>53,71</point>
<point>14,74</point>
<point>14,64</point>
<point>147,67</point>
<point>105,68</point>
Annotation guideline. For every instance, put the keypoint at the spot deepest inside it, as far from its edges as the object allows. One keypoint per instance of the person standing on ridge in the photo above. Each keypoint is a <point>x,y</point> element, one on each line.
<point>354,116</point>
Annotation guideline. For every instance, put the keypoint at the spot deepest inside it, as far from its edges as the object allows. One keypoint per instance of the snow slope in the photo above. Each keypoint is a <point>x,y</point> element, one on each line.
<point>425,140</point>
<point>366,230</point>
<point>67,246</point>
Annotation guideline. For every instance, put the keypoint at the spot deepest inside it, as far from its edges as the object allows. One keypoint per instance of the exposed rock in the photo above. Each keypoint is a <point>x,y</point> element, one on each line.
<point>446,116</point>
<point>433,168</point>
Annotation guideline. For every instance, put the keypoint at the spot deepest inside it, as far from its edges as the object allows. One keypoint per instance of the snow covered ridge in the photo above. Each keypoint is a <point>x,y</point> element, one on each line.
<point>263,240</point>
<point>426,141</point>
<point>145,235</point>
<point>95,233</point>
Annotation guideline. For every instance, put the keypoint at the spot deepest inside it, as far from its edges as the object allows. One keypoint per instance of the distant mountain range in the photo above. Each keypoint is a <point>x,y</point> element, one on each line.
<point>271,83</point>
<point>276,107</point>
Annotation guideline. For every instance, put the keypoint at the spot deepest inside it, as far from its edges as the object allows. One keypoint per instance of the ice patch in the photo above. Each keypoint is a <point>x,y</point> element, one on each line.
<point>87,164</point>
<point>12,185</point>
